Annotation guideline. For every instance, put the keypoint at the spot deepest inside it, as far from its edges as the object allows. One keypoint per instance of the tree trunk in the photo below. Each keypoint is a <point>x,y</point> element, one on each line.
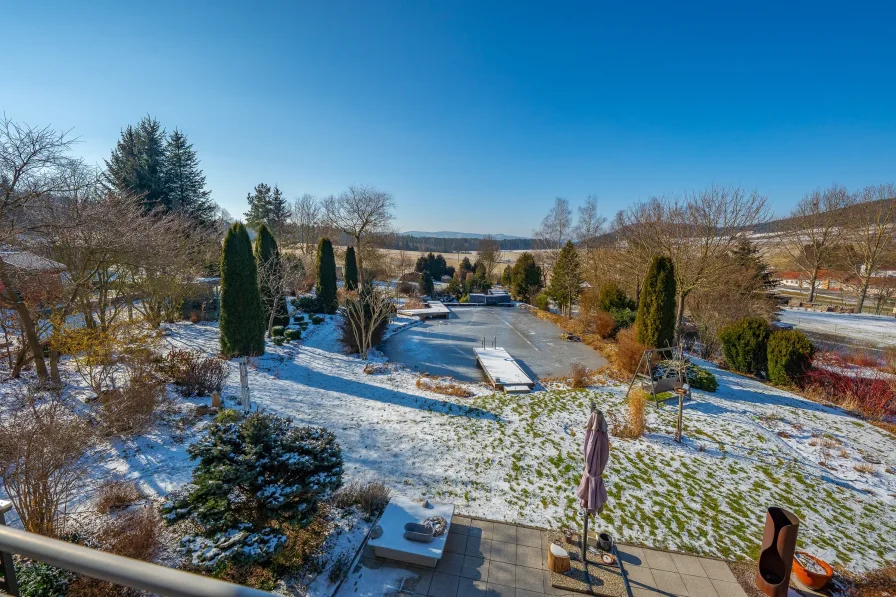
<point>37,351</point>
<point>812,282</point>
<point>864,292</point>
<point>359,258</point>
<point>679,315</point>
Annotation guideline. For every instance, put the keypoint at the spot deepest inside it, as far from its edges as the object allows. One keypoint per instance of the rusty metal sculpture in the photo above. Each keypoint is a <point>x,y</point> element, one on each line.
<point>776,556</point>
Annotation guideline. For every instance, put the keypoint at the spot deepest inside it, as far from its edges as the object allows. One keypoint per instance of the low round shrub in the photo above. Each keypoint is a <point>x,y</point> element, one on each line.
<point>292,334</point>
<point>277,330</point>
<point>307,303</point>
<point>745,345</point>
<point>789,356</point>
<point>278,340</point>
<point>625,317</point>
<point>612,297</point>
<point>543,302</point>
<point>317,320</point>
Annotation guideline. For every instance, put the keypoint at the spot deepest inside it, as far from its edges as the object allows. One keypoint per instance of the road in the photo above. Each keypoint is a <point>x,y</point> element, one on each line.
<point>445,346</point>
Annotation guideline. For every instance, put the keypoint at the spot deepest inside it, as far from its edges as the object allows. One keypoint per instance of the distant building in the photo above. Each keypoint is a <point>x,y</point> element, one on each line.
<point>826,280</point>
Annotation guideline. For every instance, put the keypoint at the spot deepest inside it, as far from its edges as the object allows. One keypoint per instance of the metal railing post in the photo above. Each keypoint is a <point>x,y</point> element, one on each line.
<point>8,583</point>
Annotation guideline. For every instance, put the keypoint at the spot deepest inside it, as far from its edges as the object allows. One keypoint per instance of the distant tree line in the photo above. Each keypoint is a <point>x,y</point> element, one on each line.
<point>452,245</point>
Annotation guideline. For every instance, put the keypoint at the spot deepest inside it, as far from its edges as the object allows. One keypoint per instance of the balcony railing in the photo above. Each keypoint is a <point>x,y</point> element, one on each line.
<point>119,570</point>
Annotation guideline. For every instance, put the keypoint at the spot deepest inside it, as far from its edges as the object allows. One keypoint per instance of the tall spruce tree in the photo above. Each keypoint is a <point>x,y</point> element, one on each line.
<point>137,164</point>
<point>325,288</point>
<point>655,322</point>
<point>278,211</point>
<point>185,181</point>
<point>566,279</point>
<point>351,269</point>
<point>259,206</point>
<point>525,278</point>
<point>242,317</point>
<point>268,261</point>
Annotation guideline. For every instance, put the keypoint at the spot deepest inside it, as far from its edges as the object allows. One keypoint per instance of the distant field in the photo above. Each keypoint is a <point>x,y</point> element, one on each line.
<point>454,259</point>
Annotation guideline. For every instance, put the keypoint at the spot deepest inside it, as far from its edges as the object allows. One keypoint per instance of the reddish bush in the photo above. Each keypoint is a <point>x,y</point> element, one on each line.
<point>862,359</point>
<point>604,324</point>
<point>628,351</point>
<point>861,389</point>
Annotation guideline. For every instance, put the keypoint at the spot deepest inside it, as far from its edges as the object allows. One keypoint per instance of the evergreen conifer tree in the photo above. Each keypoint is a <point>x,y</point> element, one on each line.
<point>426,285</point>
<point>278,211</point>
<point>137,164</point>
<point>259,205</point>
<point>655,322</point>
<point>267,259</point>
<point>525,278</point>
<point>326,277</point>
<point>242,317</point>
<point>566,279</point>
<point>351,269</point>
<point>185,181</point>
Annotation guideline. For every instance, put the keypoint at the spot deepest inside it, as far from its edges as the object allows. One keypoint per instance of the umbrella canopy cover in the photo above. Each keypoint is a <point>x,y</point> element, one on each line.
<point>592,492</point>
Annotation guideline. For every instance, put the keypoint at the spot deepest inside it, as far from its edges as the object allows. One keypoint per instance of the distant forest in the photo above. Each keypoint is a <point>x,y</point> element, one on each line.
<point>451,245</point>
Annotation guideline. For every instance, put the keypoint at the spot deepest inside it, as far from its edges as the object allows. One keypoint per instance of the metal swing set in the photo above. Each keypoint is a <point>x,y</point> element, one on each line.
<point>674,379</point>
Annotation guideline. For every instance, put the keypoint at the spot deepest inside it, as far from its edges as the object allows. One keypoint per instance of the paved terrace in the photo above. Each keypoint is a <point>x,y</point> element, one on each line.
<point>493,559</point>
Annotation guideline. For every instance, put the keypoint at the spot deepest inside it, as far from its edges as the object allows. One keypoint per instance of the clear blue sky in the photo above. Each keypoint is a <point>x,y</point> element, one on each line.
<point>490,109</point>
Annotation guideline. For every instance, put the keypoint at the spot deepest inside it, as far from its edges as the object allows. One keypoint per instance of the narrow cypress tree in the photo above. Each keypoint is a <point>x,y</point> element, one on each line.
<point>655,323</point>
<point>242,317</point>
<point>351,269</point>
<point>267,259</point>
<point>426,285</point>
<point>326,277</point>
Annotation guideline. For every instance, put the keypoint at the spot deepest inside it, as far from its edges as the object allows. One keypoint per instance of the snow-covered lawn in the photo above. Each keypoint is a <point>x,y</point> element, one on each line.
<point>518,458</point>
<point>878,330</point>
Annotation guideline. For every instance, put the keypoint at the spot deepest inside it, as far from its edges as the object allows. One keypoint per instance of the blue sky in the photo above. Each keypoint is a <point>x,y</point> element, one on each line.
<point>487,110</point>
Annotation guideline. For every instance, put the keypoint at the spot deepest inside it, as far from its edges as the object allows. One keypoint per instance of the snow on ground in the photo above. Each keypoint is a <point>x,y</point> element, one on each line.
<point>878,330</point>
<point>518,458</point>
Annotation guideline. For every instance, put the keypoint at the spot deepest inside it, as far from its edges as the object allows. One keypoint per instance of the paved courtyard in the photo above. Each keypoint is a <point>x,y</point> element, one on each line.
<point>492,559</point>
<point>445,346</point>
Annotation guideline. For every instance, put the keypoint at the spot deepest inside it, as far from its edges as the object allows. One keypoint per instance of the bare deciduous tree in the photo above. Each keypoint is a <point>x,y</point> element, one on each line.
<point>490,254</point>
<point>556,228</point>
<point>816,225</point>
<point>33,164</point>
<point>697,231</point>
<point>360,212</point>
<point>307,220</point>
<point>589,227</point>
<point>871,232</point>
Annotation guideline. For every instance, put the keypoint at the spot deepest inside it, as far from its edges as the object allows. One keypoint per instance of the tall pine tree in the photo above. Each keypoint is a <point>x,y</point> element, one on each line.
<point>566,279</point>
<point>278,211</point>
<point>325,289</point>
<point>655,322</point>
<point>259,206</point>
<point>137,164</point>
<point>185,181</point>
<point>270,268</point>
<point>242,317</point>
<point>351,269</point>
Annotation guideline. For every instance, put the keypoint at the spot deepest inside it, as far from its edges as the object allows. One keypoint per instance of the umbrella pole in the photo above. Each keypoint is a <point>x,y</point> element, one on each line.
<point>585,541</point>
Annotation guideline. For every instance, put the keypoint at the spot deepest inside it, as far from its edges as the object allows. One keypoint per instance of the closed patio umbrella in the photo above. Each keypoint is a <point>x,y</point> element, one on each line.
<point>592,492</point>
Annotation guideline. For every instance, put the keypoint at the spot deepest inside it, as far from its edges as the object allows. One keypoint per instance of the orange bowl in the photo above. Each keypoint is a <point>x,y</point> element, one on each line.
<point>813,580</point>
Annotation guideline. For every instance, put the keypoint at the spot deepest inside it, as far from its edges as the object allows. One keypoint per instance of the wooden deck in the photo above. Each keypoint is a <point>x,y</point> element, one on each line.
<point>435,310</point>
<point>503,372</point>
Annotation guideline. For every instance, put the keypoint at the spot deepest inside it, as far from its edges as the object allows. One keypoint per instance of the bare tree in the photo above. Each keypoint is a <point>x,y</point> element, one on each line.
<point>360,212</point>
<point>556,228</point>
<point>490,254</point>
<point>33,164</point>
<point>281,276</point>
<point>307,221</point>
<point>697,231</point>
<point>365,315</point>
<point>816,225</point>
<point>871,231</point>
<point>589,227</point>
